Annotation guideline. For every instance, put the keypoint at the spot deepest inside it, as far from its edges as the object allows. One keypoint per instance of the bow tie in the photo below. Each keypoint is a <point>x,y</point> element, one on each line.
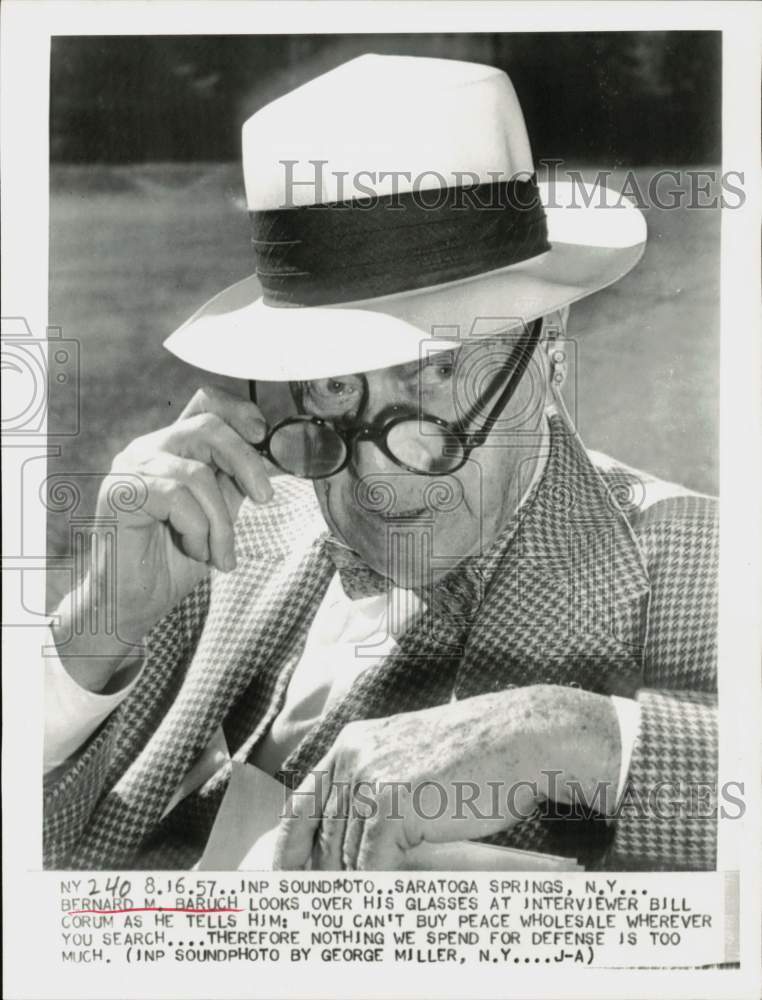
<point>357,578</point>
<point>458,593</point>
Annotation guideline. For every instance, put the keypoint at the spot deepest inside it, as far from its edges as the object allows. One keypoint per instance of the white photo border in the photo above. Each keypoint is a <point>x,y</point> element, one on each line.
<point>27,28</point>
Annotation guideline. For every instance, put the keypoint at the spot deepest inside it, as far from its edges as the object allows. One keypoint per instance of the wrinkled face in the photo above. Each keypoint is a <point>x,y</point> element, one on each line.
<point>415,528</point>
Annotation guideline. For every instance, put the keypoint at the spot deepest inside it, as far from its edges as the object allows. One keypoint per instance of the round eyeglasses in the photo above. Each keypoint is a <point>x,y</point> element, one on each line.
<point>315,448</point>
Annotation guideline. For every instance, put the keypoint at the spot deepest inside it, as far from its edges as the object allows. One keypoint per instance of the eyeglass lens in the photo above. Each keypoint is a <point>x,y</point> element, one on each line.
<point>313,450</point>
<point>307,449</point>
<point>424,446</point>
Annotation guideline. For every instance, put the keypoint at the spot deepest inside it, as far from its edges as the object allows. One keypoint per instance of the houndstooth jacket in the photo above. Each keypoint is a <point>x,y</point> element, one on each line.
<point>606,580</point>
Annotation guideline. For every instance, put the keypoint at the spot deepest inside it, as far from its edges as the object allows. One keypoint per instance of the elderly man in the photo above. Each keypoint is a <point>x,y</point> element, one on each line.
<point>414,582</point>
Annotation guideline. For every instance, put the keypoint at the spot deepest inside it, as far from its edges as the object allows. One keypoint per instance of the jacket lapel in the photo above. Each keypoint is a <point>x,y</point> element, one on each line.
<point>244,645</point>
<point>567,601</point>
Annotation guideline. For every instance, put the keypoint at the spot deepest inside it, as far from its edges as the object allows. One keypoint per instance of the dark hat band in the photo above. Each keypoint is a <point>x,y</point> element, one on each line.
<point>360,249</point>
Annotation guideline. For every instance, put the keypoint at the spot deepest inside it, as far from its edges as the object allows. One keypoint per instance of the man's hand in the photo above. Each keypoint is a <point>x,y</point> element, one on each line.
<point>196,473</point>
<point>461,771</point>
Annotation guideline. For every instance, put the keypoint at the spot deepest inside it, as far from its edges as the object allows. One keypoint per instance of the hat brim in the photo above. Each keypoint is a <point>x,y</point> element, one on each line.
<point>596,238</point>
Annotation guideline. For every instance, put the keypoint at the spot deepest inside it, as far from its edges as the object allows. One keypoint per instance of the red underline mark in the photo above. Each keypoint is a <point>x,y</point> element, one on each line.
<point>160,909</point>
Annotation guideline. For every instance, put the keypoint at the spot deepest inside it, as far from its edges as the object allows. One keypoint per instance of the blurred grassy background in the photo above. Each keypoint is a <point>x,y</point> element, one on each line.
<point>134,249</point>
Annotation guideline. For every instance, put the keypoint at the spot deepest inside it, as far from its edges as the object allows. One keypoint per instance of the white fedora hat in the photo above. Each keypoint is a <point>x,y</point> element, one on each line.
<point>394,204</point>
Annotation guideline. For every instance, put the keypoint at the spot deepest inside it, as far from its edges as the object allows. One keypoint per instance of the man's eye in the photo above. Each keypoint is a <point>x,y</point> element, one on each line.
<point>437,372</point>
<point>332,395</point>
<point>331,388</point>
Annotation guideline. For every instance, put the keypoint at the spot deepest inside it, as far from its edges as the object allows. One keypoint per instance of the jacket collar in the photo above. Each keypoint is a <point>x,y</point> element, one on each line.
<point>566,586</point>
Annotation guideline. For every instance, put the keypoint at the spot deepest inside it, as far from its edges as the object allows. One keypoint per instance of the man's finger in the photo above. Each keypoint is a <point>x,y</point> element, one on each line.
<point>241,462</point>
<point>350,848</point>
<point>199,479</point>
<point>168,500</point>
<point>374,818</point>
<point>189,521</point>
<point>293,848</point>
<point>329,836</point>
<point>243,415</point>
<point>382,845</point>
<point>207,438</point>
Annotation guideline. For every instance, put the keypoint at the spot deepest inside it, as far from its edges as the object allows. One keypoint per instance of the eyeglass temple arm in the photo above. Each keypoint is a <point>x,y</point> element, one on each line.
<point>519,358</point>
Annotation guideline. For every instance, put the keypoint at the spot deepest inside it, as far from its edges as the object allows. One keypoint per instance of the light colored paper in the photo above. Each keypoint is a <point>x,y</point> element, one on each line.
<point>250,809</point>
